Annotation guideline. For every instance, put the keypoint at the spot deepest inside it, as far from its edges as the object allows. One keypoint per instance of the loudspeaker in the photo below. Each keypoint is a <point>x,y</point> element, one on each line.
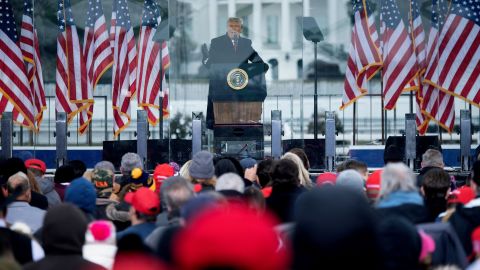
<point>423,144</point>
<point>157,151</point>
<point>315,150</point>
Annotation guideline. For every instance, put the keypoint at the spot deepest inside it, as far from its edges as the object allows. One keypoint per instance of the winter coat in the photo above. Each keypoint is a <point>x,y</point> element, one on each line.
<point>406,204</point>
<point>63,239</point>
<point>47,187</point>
<point>464,221</point>
<point>282,201</point>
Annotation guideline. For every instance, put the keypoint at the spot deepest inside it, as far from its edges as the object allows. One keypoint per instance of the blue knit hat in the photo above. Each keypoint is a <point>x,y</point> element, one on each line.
<point>82,194</point>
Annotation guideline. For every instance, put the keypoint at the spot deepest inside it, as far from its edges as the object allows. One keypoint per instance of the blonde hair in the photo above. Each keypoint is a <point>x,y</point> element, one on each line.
<point>236,20</point>
<point>303,174</point>
<point>184,172</point>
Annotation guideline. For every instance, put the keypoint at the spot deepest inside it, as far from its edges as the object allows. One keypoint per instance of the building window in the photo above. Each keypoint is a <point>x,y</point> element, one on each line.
<point>246,27</point>
<point>272,29</point>
<point>274,68</point>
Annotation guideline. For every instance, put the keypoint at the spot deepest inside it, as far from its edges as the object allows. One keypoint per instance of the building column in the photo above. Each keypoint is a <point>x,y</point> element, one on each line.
<point>213,13</point>
<point>332,32</point>
<point>306,8</point>
<point>232,9</point>
<point>285,24</point>
<point>256,28</point>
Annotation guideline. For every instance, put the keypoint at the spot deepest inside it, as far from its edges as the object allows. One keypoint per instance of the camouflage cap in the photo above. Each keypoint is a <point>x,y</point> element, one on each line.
<point>102,179</point>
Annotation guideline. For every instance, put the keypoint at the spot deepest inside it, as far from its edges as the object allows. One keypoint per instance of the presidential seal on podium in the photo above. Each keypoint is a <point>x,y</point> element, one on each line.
<point>237,79</point>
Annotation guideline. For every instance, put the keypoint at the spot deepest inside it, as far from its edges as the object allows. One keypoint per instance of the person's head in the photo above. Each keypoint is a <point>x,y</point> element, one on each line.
<point>175,192</point>
<point>224,166</point>
<point>202,168</point>
<point>254,198</point>
<point>105,165</point>
<point>373,184</point>
<point>231,237</point>
<point>302,155</point>
<point>162,172</point>
<point>264,172</point>
<point>129,162</point>
<point>230,182</point>
<point>234,25</point>
<point>9,167</point>
<point>396,177</point>
<point>432,158</point>
<point>18,185</point>
<point>79,167</point>
<point>401,243</point>
<point>285,173</point>
<point>36,167</point>
<point>335,228</point>
<point>436,184</point>
<point>64,174</point>
<point>185,171</point>
<point>145,205</point>
<point>392,154</point>
<point>351,179</point>
<point>64,230</point>
<point>103,180</point>
<point>82,194</point>
<point>326,178</point>
<point>303,174</point>
<point>359,166</point>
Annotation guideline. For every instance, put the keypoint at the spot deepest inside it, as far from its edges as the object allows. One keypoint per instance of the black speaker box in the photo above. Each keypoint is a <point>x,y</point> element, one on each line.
<point>423,144</point>
<point>315,150</point>
<point>157,151</point>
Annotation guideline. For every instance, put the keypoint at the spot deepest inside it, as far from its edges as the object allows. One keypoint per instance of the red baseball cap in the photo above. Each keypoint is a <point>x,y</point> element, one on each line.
<point>144,201</point>
<point>373,184</point>
<point>163,171</point>
<point>461,195</point>
<point>326,178</point>
<point>34,163</point>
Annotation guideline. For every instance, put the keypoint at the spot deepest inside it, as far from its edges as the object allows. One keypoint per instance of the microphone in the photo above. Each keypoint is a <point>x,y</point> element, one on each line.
<point>235,37</point>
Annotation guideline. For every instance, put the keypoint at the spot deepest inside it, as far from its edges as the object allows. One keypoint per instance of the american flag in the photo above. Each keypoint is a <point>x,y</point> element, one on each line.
<point>398,55</point>
<point>15,92</point>
<point>438,105</point>
<point>73,93</point>
<point>124,65</point>
<point>364,58</point>
<point>417,33</point>
<point>97,52</point>
<point>149,78</point>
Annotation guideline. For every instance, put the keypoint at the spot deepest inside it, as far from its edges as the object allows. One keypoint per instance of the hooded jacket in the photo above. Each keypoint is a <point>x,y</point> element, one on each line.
<point>63,239</point>
<point>48,190</point>
<point>464,221</point>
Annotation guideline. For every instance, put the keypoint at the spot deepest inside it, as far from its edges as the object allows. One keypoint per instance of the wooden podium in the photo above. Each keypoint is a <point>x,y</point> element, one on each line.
<point>234,113</point>
<point>237,110</point>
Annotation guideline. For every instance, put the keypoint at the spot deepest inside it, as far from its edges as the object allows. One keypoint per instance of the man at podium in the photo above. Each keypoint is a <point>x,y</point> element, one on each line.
<point>226,52</point>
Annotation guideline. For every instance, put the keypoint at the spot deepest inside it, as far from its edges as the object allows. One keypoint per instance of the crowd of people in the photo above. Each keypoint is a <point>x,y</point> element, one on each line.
<point>224,213</point>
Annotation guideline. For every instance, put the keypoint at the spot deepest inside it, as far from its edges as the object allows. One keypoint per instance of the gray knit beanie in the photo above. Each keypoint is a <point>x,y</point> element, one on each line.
<point>202,165</point>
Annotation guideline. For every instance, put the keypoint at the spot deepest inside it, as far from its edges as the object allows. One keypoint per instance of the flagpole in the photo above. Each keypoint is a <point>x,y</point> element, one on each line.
<point>382,107</point>
<point>354,123</point>
<point>160,121</point>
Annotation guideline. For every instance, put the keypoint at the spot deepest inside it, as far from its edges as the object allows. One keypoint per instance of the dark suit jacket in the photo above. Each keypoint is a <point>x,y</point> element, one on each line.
<point>222,51</point>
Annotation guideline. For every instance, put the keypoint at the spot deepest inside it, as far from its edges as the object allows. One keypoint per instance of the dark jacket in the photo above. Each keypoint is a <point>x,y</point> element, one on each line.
<point>282,200</point>
<point>223,52</point>
<point>448,248</point>
<point>63,238</point>
<point>464,221</point>
<point>38,200</point>
<point>21,245</point>
<point>143,230</point>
